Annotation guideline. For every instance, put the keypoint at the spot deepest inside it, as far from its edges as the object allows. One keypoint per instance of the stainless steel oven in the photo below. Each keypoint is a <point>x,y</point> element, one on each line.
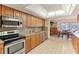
<point>13,42</point>
<point>16,47</point>
<point>10,22</point>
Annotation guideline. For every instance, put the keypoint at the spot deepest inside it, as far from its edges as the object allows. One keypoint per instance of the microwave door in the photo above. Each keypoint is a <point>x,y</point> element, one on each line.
<point>10,24</point>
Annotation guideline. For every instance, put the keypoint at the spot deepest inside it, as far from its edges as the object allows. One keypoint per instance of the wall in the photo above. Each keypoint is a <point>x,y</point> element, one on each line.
<point>48,29</point>
<point>65,19</point>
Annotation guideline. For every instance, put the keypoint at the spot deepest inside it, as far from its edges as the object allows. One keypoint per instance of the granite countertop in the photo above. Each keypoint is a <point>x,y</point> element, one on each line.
<point>76,33</point>
<point>34,33</point>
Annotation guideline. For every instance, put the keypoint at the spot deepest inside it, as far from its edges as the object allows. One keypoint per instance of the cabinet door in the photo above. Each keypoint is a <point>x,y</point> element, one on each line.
<point>37,39</point>
<point>74,42</point>
<point>17,14</point>
<point>29,23</point>
<point>1,48</point>
<point>32,22</point>
<point>24,20</point>
<point>0,15</point>
<point>0,10</point>
<point>6,11</point>
<point>33,41</point>
<point>78,46</point>
<point>28,44</point>
<point>36,20</point>
<point>40,37</point>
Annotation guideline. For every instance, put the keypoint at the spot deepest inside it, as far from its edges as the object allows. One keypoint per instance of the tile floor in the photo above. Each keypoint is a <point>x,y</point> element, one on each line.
<point>54,45</point>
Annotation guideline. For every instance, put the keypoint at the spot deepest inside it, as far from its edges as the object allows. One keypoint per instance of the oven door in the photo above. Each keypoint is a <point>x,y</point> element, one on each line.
<point>17,47</point>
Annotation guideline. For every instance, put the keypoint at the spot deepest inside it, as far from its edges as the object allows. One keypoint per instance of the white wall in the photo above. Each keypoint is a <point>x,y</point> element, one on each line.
<point>48,29</point>
<point>65,19</point>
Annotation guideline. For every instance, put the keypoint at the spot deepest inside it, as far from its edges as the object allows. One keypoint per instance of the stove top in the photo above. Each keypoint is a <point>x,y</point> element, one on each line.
<point>11,38</point>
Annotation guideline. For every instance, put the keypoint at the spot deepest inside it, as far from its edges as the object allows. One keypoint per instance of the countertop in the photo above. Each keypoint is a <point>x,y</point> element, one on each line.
<point>34,33</point>
<point>76,33</point>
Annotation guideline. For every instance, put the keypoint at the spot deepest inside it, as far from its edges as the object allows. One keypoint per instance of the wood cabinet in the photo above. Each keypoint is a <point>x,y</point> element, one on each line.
<point>37,39</point>
<point>78,46</point>
<point>1,48</point>
<point>40,37</point>
<point>6,11</point>
<point>33,41</point>
<point>46,34</point>
<point>17,14</point>
<point>34,24</point>
<point>75,43</point>
<point>34,21</point>
<point>24,19</point>
<point>0,10</point>
<point>46,23</point>
<point>28,44</point>
<point>29,21</point>
<point>0,15</point>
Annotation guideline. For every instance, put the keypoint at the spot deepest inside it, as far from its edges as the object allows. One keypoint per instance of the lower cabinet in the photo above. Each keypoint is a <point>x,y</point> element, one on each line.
<point>1,48</point>
<point>28,44</point>
<point>46,34</point>
<point>78,46</point>
<point>37,39</point>
<point>40,37</point>
<point>33,41</point>
<point>75,43</point>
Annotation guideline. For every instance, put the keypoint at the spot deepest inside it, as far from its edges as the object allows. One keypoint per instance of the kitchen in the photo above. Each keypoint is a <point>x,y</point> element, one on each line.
<point>22,31</point>
<point>16,25</point>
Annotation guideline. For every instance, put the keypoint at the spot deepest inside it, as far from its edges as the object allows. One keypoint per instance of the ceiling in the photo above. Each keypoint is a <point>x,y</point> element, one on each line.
<point>45,10</point>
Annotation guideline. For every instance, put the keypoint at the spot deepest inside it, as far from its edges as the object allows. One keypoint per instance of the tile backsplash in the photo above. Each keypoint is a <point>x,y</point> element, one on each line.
<point>25,31</point>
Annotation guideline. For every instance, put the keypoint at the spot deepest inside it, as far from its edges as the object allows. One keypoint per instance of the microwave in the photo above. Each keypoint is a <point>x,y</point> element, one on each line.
<point>10,22</point>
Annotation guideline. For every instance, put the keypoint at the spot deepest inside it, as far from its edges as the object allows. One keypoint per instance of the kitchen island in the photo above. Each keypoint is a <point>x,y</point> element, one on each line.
<point>75,41</point>
<point>1,46</point>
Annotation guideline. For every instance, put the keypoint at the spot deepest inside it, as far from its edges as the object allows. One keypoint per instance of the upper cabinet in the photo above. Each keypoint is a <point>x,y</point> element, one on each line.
<point>37,22</point>
<point>6,11</point>
<point>27,19</point>
<point>33,22</point>
<point>0,9</point>
<point>17,14</point>
<point>24,19</point>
